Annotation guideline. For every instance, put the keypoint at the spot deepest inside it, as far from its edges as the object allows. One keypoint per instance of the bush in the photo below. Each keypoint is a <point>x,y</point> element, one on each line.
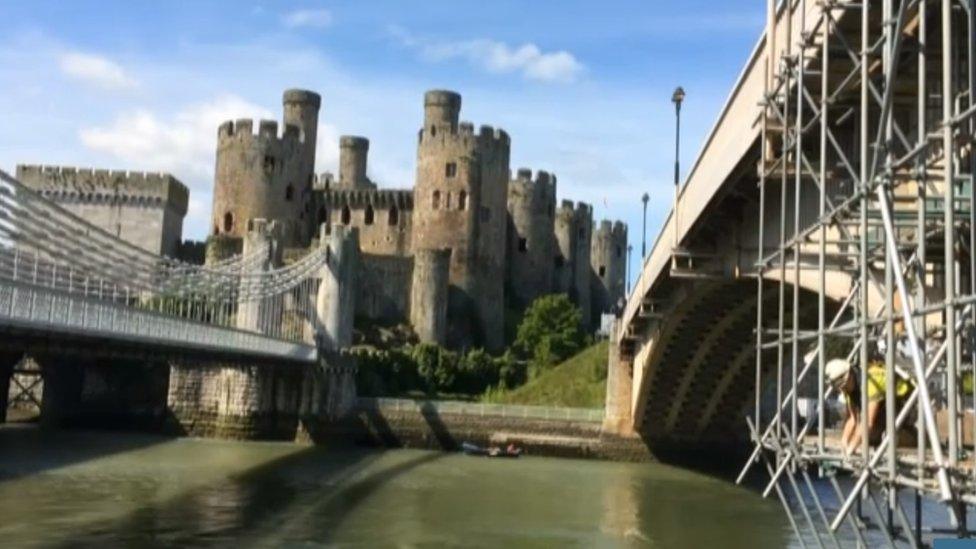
<point>550,332</point>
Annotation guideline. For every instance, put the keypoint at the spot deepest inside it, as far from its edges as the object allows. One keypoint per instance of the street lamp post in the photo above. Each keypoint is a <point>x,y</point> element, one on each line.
<point>630,248</point>
<point>677,97</point>
<point>644,199</point>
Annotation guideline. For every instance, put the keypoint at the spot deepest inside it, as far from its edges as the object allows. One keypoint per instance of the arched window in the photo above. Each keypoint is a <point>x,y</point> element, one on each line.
<point>394,216</point>
<point>228,222</point>
<point>323,215</point>
<point>368,216</point>
<point>447,201</point>
<point>436,200</point>
<point>289,193</point>
<point>462,200</point>
<point>433,131</point>
<point>346,215</point>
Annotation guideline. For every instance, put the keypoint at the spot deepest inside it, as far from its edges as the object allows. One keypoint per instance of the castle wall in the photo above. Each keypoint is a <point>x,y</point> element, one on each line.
<point>145,209</point>
<point>383,287</point>
<point>391,211</point>
<point>531,241</point>
<point>573,231</point>
<point>460,199</point>
<point>608,263</point>
<point>267,175</point>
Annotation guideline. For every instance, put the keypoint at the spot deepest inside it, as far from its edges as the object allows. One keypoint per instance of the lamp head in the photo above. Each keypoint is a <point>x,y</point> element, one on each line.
<point>678,96</point>
<point>645,198</point>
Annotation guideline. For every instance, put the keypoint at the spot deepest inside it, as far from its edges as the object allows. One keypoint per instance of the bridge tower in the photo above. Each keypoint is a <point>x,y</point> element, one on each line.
<point>267,175</point>
<point>460,204</point>
<point>531,212</point>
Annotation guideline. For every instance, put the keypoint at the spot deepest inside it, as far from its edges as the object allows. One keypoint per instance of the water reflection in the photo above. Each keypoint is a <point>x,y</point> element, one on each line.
<point>196,492</point>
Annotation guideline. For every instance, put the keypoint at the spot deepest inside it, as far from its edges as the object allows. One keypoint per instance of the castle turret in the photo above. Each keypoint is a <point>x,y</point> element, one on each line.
<point>460,203</point>
<point>531,212</point>
<point>429,294</point>
<point>441,111</point>
<point>353,153</point>
<point>573,229</point>
<point>268,174</point>
<point>608,260</point>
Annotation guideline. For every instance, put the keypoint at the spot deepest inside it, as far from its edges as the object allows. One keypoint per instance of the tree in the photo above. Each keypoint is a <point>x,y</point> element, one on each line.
<point>550,331</point>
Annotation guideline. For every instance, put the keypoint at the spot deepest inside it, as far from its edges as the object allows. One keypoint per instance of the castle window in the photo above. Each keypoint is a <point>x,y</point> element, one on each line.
<point>394,216</point>
<point>346,215</point>
<point>433,131</point>
<point>523,244</point>
<point>620,251</point>
<point>368,216</point>
<point>289,193</point>
<point>436,200</point>
<point>447,201</point>
<point>228,222</point>
<point>462,200</point>
<point>603,270</point>
<point>485,214</point>
<point>323,215</point>
<point>269,164</point>
<point>582,232</point>
<point>451,169</point>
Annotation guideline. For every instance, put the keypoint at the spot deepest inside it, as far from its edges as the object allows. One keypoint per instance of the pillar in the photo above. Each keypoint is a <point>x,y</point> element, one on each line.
<point>428,294</point>
<point>254,315</point>
<point>8,360</point>
<point>617,416</point>
<point>334,304</point>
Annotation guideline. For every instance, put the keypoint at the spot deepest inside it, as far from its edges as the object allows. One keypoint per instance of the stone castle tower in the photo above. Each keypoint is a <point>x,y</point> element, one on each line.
<point>268,175</point>
<point>531,241</point>
<point>571,275</point>
<point>608,260</point>
<point>353,156</point>
<point>460,200</point>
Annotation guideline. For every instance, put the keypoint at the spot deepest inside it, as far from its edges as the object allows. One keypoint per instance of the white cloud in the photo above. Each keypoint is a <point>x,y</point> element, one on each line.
<point>319,18</point>
<point>499,57</point>
<point>96,70</point>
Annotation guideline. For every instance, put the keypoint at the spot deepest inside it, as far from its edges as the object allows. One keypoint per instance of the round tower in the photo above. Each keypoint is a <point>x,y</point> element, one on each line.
<point>573,233</point>
<point>441,111</point>
<point>429,294</point>
<point>301,110</point>
<point>460,203</point>
<point>608,260</point>
<point>531,210</point>
<point>353,152</point>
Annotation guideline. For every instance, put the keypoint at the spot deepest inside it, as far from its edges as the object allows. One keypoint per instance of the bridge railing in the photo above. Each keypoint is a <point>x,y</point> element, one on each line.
<point>57,272</point>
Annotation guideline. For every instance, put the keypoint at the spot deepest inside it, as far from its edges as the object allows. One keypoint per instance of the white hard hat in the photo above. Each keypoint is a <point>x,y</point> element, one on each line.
<point>836,368</point>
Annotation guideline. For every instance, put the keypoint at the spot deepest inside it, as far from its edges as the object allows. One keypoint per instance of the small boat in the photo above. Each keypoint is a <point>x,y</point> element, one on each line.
<point>494,451</point>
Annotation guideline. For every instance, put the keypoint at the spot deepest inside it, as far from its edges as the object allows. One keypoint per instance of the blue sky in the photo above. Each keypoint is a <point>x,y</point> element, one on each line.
<point>583,88</point>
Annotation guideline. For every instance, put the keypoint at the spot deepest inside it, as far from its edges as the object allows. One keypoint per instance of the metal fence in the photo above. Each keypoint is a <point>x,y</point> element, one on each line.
<point>454,407</point>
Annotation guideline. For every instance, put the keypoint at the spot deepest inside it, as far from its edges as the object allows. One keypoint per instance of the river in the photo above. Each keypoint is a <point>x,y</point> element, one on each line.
<point>69,489</point>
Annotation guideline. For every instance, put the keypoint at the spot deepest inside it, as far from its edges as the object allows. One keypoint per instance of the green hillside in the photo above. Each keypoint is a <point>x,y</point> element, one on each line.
<point>578,382</point>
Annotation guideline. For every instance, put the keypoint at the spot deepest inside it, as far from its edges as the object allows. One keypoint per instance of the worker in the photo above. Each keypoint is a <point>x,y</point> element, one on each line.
<point>845,379</point>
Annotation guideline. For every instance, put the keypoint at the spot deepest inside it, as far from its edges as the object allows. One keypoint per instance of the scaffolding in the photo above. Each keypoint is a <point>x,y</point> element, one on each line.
<point>865,197</point>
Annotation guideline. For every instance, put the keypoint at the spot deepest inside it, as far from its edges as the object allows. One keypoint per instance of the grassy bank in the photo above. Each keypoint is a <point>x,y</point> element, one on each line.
<point>580,382</point>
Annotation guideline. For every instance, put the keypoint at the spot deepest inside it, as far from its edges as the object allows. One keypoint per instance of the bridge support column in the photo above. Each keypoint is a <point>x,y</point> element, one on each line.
<point>617,416</point>
<point>335,306</point>
<point>7,362</point>
<point>63,380</point>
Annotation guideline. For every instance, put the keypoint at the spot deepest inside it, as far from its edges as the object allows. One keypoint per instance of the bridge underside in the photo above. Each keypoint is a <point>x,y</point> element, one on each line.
<point>695,382</point>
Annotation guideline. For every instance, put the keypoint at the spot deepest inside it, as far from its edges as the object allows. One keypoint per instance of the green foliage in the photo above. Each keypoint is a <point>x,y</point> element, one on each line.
<point>550,332</point>
<point>577,382</point>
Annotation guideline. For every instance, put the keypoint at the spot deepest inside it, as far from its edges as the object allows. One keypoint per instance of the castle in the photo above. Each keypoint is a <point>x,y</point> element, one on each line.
<point>451,256</point>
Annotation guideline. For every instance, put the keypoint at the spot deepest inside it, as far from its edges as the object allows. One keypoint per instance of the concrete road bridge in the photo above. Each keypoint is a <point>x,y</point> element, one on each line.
<point>824,139</point>
<point>109,322</point>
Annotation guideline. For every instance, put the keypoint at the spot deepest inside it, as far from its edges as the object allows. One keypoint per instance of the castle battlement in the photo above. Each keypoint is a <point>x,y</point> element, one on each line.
<point>378,198</point>
<point>610,230</point>
<point>242,129</point>
<point>105,186</point>
<point>542,177</point>
<point>577,210</point>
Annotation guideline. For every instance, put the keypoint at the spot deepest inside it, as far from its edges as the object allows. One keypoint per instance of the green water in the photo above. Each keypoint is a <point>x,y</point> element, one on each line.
<point>75,489</point>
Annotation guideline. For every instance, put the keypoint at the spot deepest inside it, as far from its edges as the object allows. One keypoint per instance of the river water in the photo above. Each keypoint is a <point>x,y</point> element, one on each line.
<point>70,489</point>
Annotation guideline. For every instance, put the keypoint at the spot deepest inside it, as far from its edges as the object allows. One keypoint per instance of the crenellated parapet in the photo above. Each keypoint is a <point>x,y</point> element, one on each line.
<point>360,198</point>
<point>94,186</point>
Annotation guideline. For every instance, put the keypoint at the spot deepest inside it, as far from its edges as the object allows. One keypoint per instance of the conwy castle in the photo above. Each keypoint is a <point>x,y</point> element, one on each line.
<point>450,256</point>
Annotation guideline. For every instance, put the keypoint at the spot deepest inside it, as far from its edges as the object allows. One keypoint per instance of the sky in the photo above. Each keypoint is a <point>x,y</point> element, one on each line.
<point>583,88</point>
